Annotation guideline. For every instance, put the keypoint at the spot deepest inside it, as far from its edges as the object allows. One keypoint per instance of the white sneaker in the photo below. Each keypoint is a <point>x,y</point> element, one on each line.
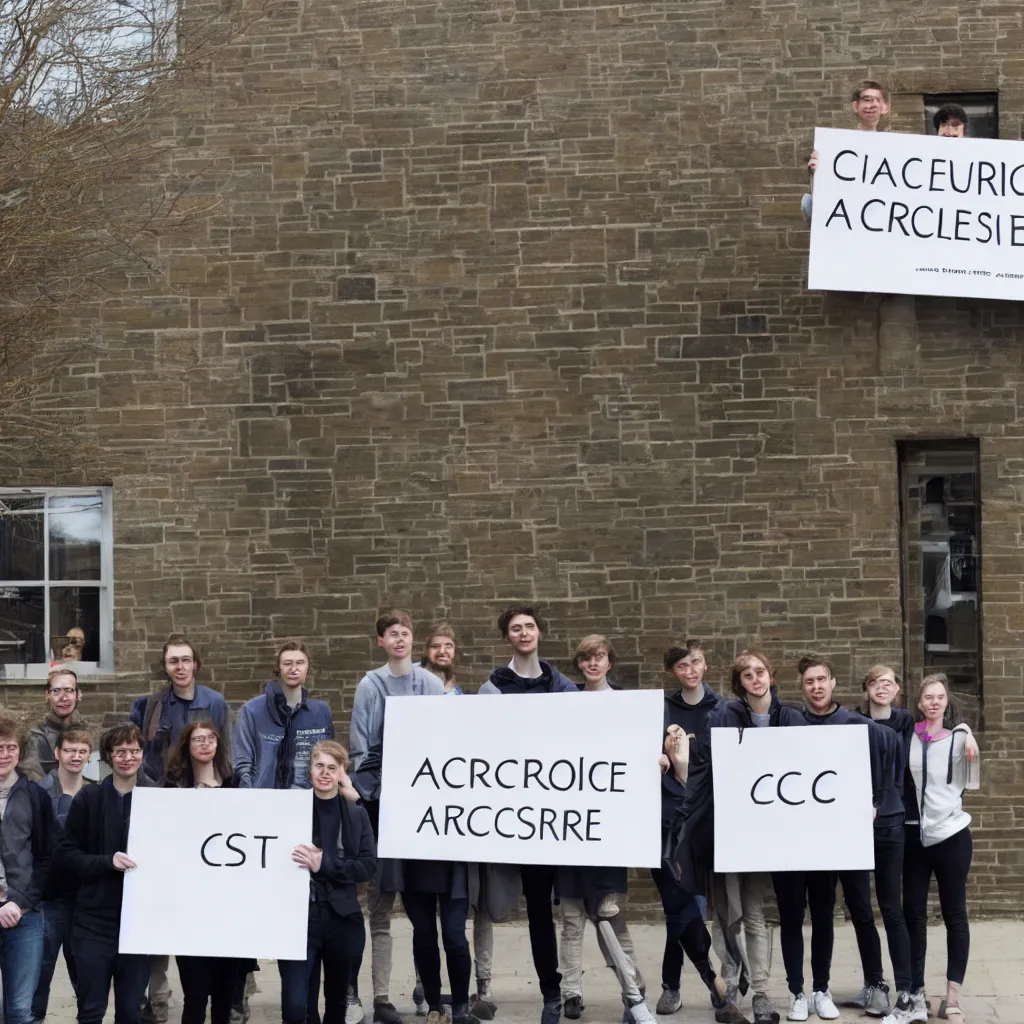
<point>824,1007</point>
<point>640,1013</point>
<point>902,1012</point>
<point>354,1013</point>
<point>797,1007</point>
<point>919,1007</point>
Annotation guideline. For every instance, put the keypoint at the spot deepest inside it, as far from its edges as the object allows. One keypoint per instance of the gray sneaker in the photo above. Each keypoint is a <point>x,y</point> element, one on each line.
<point>669,1001</point>
<point>859,1001</point>
<point>763,1009</point>
<point>878,1001</point>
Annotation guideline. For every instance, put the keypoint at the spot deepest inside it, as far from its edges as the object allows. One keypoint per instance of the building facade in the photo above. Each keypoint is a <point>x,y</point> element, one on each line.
<point>507,299</point>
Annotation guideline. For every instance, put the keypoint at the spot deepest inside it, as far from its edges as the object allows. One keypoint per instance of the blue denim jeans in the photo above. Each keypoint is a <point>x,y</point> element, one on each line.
<point>56,933</point>
<point>21,957</point>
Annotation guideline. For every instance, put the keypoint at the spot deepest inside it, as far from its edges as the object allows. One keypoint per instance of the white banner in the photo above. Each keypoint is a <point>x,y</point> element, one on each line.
<point>793,799</point>
<point>917,215</point>
<point>559,778</point>
<point>215,874</point>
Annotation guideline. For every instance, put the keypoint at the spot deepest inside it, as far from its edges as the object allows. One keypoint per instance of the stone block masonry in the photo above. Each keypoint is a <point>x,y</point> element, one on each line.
<point>507,298</point>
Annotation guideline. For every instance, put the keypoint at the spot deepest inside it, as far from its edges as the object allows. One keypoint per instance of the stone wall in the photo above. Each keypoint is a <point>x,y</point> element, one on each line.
<point>505,299</point>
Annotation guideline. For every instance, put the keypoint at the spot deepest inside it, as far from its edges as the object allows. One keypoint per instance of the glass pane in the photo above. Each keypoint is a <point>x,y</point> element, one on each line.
<point>20,503</point>
<point>76,533</point>
<point>21,544</point>
<point>75,623</point>
<point>21,627</point>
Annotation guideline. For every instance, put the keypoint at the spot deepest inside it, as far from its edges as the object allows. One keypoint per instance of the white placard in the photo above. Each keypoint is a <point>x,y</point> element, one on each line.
<point>793,799</point>
<point>559,778</point>
<point>215,875</point>
<point>917,215</point>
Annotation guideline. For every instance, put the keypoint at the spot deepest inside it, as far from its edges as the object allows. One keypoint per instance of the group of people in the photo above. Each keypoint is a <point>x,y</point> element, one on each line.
<point>63,845</point>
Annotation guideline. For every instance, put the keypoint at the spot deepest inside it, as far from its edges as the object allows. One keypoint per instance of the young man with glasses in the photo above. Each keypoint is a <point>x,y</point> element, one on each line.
<point>92,851</point>
<point>39,757</point>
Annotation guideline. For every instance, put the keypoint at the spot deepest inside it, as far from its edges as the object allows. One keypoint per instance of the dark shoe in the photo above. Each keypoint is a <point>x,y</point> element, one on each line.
<point>669,1001</point>
<point>482,1008</point>
<point>461,1015</point>
<point>573,1007</point>
<point>552,1012</point>
<point>419,1000</point>
<point>763,1009</point>
<point>729,1013</point>
<point>385,1013</point>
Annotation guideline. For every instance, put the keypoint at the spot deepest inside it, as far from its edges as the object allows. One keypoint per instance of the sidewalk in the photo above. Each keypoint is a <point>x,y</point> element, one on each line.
<point>994,989</point>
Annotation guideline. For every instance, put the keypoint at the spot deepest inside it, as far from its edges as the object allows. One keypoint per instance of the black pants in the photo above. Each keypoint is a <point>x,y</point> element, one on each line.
<point>538,888</point>
<point>950,862</point>
<point>889,893</point>
<point>205,978</point>
<point>99,964</point>
<point>680,910</point>
<point>857,896</point>
<point>794,892</point>
<point>421,909</point>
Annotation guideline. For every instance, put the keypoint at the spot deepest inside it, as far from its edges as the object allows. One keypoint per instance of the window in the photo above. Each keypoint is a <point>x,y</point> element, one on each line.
<point>981,108</point>
<point>940,517</point>
<point>56,586</point>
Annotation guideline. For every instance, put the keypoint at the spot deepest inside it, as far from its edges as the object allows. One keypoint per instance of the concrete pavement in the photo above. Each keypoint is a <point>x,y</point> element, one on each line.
<point>993,991</point>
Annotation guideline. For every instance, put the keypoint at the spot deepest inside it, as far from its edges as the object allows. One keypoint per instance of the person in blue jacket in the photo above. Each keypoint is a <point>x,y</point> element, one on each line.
<point>275,732</point>
<point>522,626</point>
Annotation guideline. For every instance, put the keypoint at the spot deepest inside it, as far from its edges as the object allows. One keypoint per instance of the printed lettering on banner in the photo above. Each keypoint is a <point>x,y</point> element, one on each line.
<point>793,799</point>
<point>917,215</point>
<point>229,854</point>
<point>556,778</point>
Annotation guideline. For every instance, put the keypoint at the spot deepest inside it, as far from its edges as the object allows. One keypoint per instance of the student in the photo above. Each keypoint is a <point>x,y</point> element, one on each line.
<point>939,843</point>
<point>73,750</point>
<point>62,696</point>
<point>796,890</point>
<point>399,677</point>
<point>741,936</point>
<point>870,103</point>
<point>439,654</point>
<point>92,851</point>
<point>342,855</point>
<point>162,716</point>
<point>26,847</point>
<point>950,121</point>
<point>200,761</point>
<point>686,707</point>
<point>590,893</point>
<point>276,731</point>
<point>522,626</point>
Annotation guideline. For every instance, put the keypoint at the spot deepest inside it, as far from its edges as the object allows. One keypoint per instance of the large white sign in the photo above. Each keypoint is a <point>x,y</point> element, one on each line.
<point>793,799</point>
<point>215,874</point>
<point>918,215</point>
<point>559,778</point>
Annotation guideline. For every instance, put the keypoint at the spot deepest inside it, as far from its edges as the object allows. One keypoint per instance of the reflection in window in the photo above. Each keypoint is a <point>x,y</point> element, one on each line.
<point>55,580</point>
<point>981,108</point>
<point>941,530</point>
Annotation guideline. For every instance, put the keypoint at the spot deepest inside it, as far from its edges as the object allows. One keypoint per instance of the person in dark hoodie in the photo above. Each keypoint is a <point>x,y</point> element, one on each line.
<point>686,707</point>
<point>796,890</point>
<point>591,893</point>
<point>741,934</point>
<point>26,849</point>
<point>342,855</point>
<point>62,785</point>
<point>62,696</point>
<point>424,885</point>
<point>92,850</point>
<point>522,626</point>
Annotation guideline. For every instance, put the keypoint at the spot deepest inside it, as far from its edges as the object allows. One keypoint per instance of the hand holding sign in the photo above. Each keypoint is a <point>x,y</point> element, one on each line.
<point>122,862</point>
<point>310,857</point>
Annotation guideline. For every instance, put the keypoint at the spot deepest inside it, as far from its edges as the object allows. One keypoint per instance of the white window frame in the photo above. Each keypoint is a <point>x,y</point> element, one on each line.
<point>105,585</point>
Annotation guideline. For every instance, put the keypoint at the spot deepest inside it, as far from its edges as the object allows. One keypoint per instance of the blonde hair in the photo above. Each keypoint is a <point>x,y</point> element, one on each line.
<point>591,645</point>
<point>332,748</point>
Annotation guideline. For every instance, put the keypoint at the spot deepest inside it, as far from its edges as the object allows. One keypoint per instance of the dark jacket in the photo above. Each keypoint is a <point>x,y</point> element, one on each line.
<point>884,754</point>
<point>40,755</point>
<point>901,723</point>
<point>354,859</point>
<point>60,885</point>
<point>260,730</point>
<point>550,680</point>
<point>27,838</point>
<point>163,716</point>
<point>692,719</point>
<point>693,844</point>
<point>96,829</point>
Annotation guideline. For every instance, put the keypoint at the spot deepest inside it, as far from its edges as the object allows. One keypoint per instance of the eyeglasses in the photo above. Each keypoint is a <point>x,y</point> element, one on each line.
<point>64,691</point>
<point>126,753</point>
<point>202,741</point>
<point>9,748</point>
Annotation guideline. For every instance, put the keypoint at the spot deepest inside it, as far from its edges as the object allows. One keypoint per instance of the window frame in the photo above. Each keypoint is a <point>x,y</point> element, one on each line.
<point>34,671</point>
<point>932,102</point>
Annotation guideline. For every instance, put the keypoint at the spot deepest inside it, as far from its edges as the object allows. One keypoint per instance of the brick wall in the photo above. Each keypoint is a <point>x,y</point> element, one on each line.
<point>507,298</point>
